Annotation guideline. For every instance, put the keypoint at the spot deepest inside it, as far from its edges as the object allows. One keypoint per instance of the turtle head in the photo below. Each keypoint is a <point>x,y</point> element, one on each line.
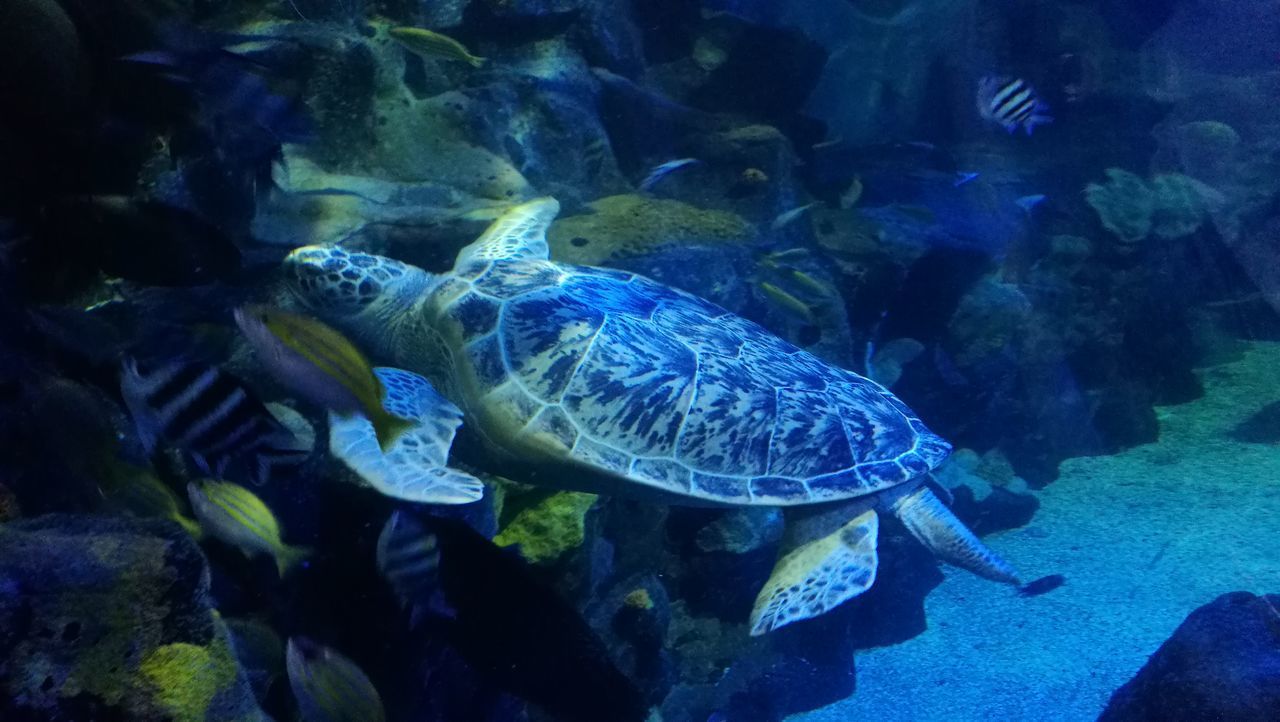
<point>336,283</point>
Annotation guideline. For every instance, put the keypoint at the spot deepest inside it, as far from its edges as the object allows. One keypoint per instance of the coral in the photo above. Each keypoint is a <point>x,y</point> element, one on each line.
<point>737,66</point>
<point>1170,206</point>
<point>986,494</point>
<point>629,225</point>
<point>530,8</point>
<point>550,527</point>
<point>1206,149</point>
<point>886,364</point>
<point>990,319</point>
<point>442,14</point>
<point>1124,204</point>
<point>741,530</point>
<point>546,121</point>
<point>638,599</point>
<point>113,612</point>
<point>1181,205</point>
<point>187,677</point>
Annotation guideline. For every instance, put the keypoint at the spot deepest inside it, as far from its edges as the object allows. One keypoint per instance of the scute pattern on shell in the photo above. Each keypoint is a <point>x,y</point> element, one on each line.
<point>666,389</point>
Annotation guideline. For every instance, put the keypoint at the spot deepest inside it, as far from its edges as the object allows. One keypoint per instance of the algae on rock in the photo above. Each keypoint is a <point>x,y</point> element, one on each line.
<point>1124,203</point>
<point>112,614</point>
<point>187,677</point>
<point>630,225</point>
<point>550,527</point>
<point>1170,206</point>
<point>1181,205</point>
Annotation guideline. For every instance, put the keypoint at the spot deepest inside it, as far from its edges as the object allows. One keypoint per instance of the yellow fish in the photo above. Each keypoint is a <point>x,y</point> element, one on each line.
<point>433,45</point>
<point>789,254</point>
<point>238,517</point>
<point>330,687</point>
<point>811,284</point>
<point>137,491</point>
<point>787,302</point>
<point>321,365</point>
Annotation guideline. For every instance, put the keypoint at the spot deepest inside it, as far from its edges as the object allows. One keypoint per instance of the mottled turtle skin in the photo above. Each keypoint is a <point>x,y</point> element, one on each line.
<point>612,371</point>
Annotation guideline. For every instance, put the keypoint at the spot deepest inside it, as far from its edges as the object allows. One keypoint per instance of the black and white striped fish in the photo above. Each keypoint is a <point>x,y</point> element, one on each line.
<point>211,415</point>
<point>1011,103</point>
<point>409,559</point>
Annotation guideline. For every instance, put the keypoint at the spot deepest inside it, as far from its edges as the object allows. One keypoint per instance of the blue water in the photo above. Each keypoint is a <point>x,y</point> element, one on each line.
<point>849,319</point>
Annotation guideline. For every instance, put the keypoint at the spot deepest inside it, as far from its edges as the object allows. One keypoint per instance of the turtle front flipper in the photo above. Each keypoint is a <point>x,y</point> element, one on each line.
<point>933,524</point>
<point>819,576</point>
<point>414,467</point>
<point>518,234</point>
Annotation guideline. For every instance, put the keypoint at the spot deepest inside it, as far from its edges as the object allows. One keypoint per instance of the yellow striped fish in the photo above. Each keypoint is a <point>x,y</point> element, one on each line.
<point>328,686</point>
<point>787,302</point>
<point>433,45</point>
<point>811,284</point>
<point>137,491</point>
<point>321,365</point>
<point>238,517</point>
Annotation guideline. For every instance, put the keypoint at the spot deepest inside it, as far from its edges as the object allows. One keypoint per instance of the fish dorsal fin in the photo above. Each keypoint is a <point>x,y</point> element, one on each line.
<point>414,467</point>
<point>520,233</point>
<point>819,576</point>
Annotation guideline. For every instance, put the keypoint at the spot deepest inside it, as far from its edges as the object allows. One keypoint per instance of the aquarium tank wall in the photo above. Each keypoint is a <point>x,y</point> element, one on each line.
<point>639,360</point>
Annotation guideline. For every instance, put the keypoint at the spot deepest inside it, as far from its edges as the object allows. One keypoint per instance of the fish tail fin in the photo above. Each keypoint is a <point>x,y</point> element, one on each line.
<point>189,526</point>
<point>261,475</point>
<point>266,462</point>
<point>389,428</point>
<point>289,557</point>
<point>1038,119</point>
<point>477,62</point>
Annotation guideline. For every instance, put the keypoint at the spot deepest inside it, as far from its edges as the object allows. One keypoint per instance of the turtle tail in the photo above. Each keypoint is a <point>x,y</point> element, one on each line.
<point>933,524</point>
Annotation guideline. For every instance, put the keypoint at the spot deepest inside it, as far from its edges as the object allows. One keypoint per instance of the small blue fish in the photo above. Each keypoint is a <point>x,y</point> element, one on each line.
<point>785,219</point>
<point>963,177</point>
<point>663,170</point>
<point>1027,203</point>
<point>1011,103</point>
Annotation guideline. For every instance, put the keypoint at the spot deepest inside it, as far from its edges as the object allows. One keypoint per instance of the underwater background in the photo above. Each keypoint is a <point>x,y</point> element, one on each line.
<point>953,392</point>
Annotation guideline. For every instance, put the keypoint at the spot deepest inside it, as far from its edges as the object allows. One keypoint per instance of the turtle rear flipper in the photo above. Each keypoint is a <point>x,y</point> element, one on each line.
<point>819,576</point>
<point>933,524</point>
<point>414,467</point>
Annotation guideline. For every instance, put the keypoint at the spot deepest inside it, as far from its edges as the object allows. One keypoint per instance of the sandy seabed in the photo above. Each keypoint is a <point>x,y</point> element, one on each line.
<point>1143,538</point>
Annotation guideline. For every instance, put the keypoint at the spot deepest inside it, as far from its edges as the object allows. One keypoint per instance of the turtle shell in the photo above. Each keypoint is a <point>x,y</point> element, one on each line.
<point>665,389</point>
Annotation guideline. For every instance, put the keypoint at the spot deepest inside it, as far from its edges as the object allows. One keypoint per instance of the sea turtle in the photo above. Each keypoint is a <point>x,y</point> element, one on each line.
<point>608,381</point>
